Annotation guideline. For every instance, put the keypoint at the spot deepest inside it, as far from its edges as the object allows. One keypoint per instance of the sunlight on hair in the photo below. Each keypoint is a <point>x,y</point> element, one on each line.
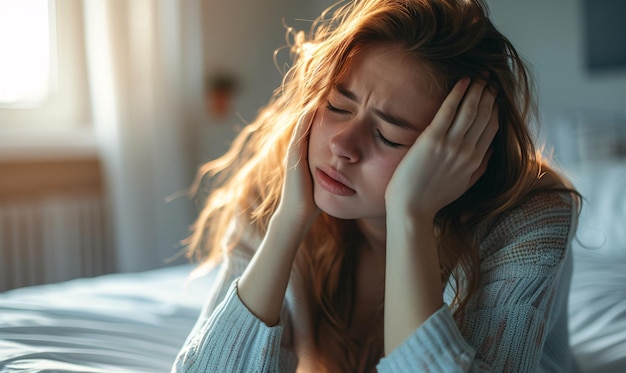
<point>307,50</point>
<point>25,68</point>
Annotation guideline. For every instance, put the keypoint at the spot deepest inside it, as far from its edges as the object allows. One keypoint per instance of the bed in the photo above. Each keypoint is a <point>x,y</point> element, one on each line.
<point>132,322</point>
<point>590,147</point>
<point>137,322</point>
<point>598,293</point>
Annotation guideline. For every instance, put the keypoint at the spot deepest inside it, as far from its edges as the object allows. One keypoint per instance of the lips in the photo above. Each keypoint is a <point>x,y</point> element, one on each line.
<point>333,182</point>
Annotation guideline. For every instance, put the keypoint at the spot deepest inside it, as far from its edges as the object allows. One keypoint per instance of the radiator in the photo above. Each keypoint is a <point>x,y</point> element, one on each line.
<point>53,239</point>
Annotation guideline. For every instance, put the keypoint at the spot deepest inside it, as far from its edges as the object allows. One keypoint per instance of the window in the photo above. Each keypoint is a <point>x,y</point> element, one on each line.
<point>26,34</point>
<point>43,79</point>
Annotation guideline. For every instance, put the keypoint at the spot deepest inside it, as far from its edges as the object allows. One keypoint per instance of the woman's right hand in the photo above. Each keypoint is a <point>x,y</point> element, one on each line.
<point>296,205</point>
<point>263,284</point>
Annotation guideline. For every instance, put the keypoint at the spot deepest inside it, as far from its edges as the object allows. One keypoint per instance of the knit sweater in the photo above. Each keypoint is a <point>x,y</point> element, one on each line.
<point>515,322</point>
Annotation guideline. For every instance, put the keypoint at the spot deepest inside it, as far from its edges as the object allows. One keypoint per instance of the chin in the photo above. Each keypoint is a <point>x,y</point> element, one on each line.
<point>340,211</point>
<point>340,216</point>
<point>336,210</point>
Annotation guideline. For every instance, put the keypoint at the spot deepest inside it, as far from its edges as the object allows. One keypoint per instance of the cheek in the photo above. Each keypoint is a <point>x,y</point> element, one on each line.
<point>383,171</point>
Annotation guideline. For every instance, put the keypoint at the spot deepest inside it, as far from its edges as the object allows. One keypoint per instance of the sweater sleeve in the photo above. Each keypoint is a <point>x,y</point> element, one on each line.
<point>505,323</point>
<point>227,337</point>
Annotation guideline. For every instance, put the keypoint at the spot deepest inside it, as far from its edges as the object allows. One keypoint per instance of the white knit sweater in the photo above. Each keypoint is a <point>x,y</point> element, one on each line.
<point>516,321</point>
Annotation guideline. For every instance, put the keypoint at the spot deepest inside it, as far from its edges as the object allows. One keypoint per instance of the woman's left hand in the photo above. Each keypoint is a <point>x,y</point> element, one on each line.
<point>449,156</point>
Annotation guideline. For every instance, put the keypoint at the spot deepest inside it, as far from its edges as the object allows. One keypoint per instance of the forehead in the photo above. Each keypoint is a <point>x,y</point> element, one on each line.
<point>390,80</point>
<point>394,66</point>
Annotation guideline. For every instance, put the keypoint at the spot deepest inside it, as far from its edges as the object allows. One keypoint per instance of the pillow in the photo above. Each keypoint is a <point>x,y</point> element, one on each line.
<point>597,305</point>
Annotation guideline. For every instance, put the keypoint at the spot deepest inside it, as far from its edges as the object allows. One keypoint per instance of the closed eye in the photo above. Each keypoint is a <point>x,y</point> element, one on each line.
<point>385,141</point>
<point>334,109</point>
<point>378,134</point>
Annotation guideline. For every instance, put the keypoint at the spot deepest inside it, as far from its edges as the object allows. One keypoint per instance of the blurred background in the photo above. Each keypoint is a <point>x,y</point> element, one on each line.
<point>108,107</point>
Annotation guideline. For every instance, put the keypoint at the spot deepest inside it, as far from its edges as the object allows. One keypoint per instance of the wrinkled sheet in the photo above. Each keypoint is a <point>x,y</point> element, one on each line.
<point>132,322</point>
<point>597,308</point>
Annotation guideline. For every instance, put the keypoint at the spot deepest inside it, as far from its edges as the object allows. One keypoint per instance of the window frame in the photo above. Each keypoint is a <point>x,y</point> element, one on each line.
<point>61,125</point>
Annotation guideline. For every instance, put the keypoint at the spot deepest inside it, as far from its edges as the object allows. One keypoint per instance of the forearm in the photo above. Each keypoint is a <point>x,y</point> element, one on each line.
<point>263,284</point>
<point>413,289</point>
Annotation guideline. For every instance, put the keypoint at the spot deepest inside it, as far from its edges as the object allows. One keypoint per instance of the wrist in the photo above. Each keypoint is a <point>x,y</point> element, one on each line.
<point>411,235</point>
<point>405,215</point>
<point>293,224</point>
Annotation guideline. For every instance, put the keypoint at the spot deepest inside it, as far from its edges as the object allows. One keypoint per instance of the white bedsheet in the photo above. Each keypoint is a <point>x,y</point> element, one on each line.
<point>114,323</point>
<point>597,307</point>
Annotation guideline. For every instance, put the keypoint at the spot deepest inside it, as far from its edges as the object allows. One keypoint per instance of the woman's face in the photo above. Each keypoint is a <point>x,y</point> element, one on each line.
<point>365,127</point>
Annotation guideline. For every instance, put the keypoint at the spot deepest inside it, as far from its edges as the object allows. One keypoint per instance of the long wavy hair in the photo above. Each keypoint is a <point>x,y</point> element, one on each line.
<point>455,39</point>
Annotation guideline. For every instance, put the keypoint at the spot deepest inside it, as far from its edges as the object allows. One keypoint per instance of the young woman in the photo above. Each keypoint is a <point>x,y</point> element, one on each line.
<point>388,209</point>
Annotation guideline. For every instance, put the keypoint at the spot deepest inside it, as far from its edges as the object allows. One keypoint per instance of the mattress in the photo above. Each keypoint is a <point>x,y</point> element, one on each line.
<point>133,322</point>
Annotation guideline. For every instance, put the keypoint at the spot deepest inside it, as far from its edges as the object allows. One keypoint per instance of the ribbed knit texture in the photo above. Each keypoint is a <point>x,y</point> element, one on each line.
<point>516,322</point>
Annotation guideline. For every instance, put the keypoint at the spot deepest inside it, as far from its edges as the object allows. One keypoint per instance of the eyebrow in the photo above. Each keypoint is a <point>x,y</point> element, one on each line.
<point>381,114</point>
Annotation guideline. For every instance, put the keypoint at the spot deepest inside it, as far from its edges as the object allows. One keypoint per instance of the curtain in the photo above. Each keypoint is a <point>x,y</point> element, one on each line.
<point>144,68</point>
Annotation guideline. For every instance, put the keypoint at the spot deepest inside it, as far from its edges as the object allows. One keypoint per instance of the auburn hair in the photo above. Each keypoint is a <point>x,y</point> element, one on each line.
<point>454,39</point>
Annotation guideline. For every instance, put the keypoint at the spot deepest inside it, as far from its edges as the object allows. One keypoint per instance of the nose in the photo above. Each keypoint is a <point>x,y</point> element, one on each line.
<point>345,142</point>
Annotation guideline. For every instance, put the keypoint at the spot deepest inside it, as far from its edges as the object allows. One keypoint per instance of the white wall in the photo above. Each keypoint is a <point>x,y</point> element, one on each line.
<point>241,35</point>
<point>549,34</point>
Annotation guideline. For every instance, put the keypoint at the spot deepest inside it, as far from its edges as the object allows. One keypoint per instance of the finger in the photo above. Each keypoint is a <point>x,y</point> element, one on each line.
<point>468,111</point>
<point>481,169</point>
<point>303,126</point>
<point>483,117</point>
<point>447,112</point>
<point>298,146</point>
<point>490,131</point>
